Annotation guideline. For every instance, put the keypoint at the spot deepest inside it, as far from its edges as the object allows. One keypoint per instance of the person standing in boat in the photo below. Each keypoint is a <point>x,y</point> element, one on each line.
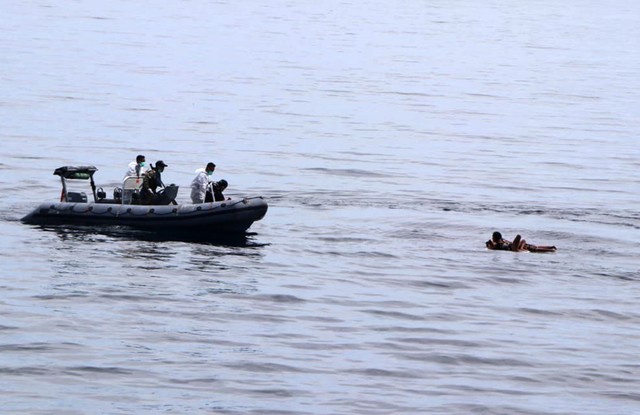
<point>136,168</point>
<point>200,183</point>
<point>151,180</point>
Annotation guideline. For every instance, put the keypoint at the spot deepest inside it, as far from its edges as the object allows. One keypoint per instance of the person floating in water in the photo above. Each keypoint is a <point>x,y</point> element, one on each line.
<point>518,245</point>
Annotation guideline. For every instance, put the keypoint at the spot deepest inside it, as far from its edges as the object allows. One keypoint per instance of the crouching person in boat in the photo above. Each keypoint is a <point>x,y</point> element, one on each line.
<point>151,180</point>
<point>201,182</point>
<point>518,245</point>
<point>214,192</point>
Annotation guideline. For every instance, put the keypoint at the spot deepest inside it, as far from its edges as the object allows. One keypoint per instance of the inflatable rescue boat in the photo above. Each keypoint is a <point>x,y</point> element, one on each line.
<point>74,208</point>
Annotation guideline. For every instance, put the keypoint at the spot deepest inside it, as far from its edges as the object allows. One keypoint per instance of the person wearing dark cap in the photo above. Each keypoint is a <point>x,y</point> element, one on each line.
<point>518,245</point>
<point>136,168</point>
<point>201,182</point>
<point>151,181</point>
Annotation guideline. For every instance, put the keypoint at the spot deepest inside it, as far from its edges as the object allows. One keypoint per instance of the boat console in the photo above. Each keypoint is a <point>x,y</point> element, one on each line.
<point>128,194</point>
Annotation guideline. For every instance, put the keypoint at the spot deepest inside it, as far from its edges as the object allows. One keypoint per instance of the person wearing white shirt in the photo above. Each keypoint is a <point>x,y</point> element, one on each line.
<point>136,168</point>
<point>200,183</point>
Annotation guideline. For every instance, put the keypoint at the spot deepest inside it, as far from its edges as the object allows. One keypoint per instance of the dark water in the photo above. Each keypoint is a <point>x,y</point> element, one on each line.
<point>390,139</point>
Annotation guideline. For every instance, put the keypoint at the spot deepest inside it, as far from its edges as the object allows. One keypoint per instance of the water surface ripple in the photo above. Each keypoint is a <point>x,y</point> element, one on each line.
<point>390,139</point>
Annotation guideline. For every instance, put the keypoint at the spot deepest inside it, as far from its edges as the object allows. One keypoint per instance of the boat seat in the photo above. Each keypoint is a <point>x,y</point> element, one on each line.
<point>130,188</point>
<point>109,201</point>
<point>77,197</point>
<point>132,183</point>
<point>167,195</point>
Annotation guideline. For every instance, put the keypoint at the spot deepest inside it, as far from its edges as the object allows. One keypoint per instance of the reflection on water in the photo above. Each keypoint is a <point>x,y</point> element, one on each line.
<point>93,247</point>
<point>101,234</point>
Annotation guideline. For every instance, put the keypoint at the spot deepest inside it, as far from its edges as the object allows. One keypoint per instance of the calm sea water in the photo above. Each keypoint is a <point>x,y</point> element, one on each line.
<point>390,139</point>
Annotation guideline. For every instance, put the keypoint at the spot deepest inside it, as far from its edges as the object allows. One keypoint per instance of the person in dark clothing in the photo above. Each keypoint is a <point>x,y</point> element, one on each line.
<point>214,193</point>
<point>151,181</point>
<point>218,188</point>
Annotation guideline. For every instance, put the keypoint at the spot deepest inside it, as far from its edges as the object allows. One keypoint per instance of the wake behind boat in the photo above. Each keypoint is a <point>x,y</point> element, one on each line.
<point>217,219</point>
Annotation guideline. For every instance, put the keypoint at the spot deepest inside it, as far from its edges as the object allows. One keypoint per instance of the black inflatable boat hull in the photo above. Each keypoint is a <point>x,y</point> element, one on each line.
<point>227,216</point>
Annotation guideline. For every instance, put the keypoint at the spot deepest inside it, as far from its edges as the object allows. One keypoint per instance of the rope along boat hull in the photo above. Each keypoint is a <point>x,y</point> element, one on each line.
<point>218,217</point>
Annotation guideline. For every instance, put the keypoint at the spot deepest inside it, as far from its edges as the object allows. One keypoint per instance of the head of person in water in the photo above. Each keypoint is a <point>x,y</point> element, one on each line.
<point>496,237</point>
